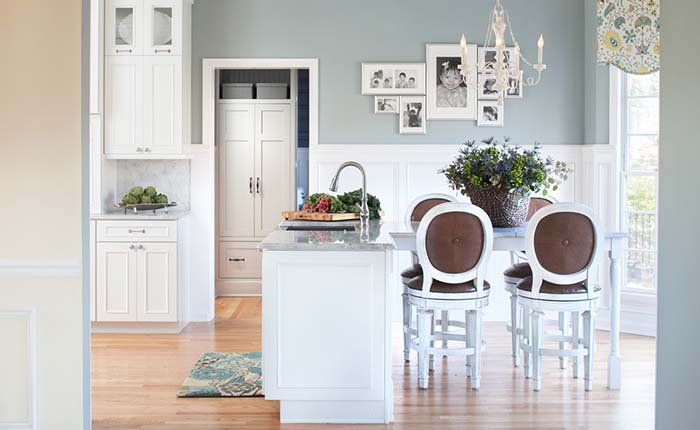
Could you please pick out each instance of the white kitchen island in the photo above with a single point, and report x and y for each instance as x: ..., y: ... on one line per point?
x: 327, y: 300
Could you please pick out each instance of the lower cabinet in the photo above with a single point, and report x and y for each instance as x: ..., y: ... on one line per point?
x: 138, y: 280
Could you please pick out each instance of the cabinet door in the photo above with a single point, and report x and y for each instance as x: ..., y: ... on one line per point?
x: 123, y: 27
x: 162, y: 27
x: 273, y: 184
x: 162, y: 104
x: 123, y: 120
x: 157, y: 282
x: 236, y: 169
x: 116, y: 282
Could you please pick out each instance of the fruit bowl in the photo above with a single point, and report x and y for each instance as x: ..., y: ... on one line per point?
x: 145, y: 207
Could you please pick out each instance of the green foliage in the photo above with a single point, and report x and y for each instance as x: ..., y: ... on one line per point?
x: 352, y: 199
x: 344, y: 203
x: 150, y: 191
x: 161, y: 198
x: 333, y: 203
x: 146, y: 199
x: 136, y: 192
x: 510, y: 168
x: 130, y: 199
x: 140, y: 195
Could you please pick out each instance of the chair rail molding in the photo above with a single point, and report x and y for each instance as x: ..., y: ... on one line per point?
x: 41, y: 268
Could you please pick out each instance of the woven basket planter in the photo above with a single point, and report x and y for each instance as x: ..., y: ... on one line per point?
x: 504, y: 208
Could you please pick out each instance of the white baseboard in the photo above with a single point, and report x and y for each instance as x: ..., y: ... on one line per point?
x: 236, y: 287
x: 137, y: 327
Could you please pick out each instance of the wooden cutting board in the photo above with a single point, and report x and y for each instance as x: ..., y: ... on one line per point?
x: 317, y: 216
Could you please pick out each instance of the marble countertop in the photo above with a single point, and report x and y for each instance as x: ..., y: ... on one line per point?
x: 141, y: 216
x: 377, y: 238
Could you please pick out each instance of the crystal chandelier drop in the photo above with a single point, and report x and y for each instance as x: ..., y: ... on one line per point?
x: 504, y: 67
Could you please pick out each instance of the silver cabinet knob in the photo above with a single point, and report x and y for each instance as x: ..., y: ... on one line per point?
x: 147, y: 149
x: 141, y: 247
x: 139, y: 150
x: 132, y: 246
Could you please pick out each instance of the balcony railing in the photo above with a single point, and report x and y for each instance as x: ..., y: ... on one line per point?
x: 641, y: 249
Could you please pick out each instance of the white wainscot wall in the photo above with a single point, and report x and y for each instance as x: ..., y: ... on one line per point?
x: 398, y: 174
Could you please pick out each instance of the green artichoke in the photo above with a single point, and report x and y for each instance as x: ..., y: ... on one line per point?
x: 129, y: 200
x: 136, y: 192
x: 150, y: 191
x: 161, y: 198
x: 146, y: 199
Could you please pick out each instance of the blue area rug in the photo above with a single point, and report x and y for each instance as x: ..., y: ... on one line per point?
x: 225, y: 374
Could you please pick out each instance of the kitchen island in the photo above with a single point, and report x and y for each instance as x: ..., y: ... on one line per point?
x: 327, y: 323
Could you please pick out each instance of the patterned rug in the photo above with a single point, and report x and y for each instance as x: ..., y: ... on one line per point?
x: 225, y: 374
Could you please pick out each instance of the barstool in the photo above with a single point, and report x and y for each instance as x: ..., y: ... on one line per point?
x: 454, y: 242
x: 563, y: 243
x: 518, y: 271
x: 416, y: 210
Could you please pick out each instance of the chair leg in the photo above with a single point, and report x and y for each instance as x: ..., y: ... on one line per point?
x: 536, y: 345
x: 431, y: 362
x: 468, y: 341
x: 445, y: 325
x: 406, y: 327
x: 527, y: 339
x: 515, y: 338
x: 423, y: 320
x: 589, y: 343
x: 575, y: 341
x: 476, y: 359
x: 563, y: 326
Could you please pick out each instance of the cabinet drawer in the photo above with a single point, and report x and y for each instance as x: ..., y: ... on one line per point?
x: 239, y: 260
x: 133, y: 230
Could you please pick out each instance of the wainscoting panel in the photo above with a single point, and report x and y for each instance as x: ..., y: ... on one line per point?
x: 18, y: 369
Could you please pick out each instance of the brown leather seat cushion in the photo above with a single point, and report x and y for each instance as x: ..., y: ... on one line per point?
x: 443, y: 287
x: 423, y: 207
x: 412, y: 272
x: 518, y: 270
x: 550, y: 288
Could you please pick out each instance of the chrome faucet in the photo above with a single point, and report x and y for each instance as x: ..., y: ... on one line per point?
x: 364, y: 209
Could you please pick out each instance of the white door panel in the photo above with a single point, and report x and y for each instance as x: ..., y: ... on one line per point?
x: 162, y: 101
x: 123, y: 26
x: 116, y: 282
x: 123, y: 90
x: 157, y: 282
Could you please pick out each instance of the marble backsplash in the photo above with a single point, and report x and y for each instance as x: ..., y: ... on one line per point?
x: 170, y: 177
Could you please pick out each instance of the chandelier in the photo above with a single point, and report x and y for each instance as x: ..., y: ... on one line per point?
x: 506, y: 70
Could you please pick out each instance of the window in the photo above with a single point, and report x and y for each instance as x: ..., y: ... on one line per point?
x: 640, y: 158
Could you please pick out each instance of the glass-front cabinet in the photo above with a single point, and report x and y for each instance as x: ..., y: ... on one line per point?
x: 123, y: 27
x: 162, y: 27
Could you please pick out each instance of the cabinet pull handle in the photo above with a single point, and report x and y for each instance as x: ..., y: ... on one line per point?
x: 123, y: 50
x: 162, y: 50
x: 138, y: 231
x: 250, y: 185
x: 257, y: 185
x: 236, y: 259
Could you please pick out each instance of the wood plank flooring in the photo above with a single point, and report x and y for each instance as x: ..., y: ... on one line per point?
x: 135, y: 378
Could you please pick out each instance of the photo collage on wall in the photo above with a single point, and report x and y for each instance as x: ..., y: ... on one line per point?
x: 436, y: 90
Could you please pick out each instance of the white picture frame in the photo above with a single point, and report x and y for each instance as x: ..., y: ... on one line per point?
x: 384, y: 105
x: 386, y: 79
x: 412, y: 117
x: 439, y: 106
x: 485, y: 86
x: 517, y: 92
x: 487, y: 57
x: 491, y: 113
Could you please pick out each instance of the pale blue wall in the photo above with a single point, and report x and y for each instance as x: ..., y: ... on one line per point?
x: 677, y: 381
x: 597, y: 82
x: 344, y: 34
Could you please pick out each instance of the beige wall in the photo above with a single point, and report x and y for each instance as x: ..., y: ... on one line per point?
x: 40, y: 215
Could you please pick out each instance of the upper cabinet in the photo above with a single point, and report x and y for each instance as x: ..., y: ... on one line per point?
x: 124, y: 27
x: 147, y: 78
x: 162, y: 27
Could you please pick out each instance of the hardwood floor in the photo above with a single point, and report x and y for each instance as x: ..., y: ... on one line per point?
x: 135, y: 378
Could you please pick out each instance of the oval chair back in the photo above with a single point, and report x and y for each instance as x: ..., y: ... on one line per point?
x: 563, y: 244
x: 422, y: 204
x: 454, y: 243
x: 537, y: 203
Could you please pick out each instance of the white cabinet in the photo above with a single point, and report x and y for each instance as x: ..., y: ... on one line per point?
x: 123, y: 27
x: 116, y: 282
x: 123, y: 119
x: 147, y: 78
x: 141, y: 271
x: 255, y: 183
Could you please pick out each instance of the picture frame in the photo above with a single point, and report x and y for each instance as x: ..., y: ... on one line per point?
x: 412, y: 115
x: 444, y: 100
x: 384, y: 105
x: 490, y: 114
x: 485, y: 86
x: 393, y: 78
x: 517, y: 92
x: 487, y: 57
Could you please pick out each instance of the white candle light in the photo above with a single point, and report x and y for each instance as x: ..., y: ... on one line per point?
x: 540, y: 46
x: 463, y: 45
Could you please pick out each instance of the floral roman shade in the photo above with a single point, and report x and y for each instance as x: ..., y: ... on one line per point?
x: 628, y: 35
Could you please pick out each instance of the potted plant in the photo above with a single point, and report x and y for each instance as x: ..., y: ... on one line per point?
x: 500, y: 178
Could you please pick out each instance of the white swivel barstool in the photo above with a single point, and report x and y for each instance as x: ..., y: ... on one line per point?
x: 563, y: 245
x: 416, y: 210
x: 454, y: 242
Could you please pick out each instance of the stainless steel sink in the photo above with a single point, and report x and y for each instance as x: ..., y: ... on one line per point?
x: 317, y: 227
